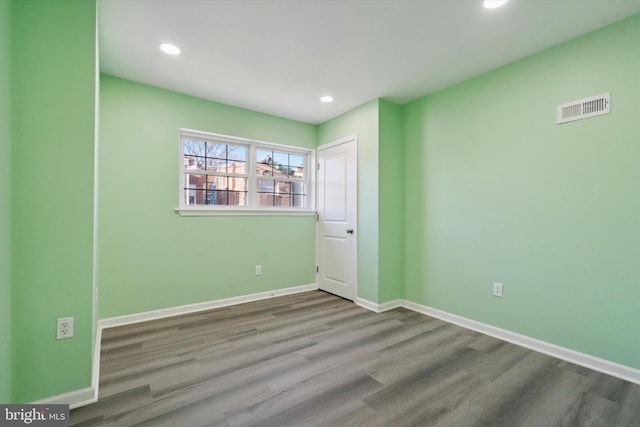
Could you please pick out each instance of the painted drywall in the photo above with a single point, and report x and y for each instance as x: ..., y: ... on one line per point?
x: 496, y: 191
x: 52, y: 112
x: 150, y: 257
x: 391, y: 202
x: 6, y: 394
x: 363, y: 122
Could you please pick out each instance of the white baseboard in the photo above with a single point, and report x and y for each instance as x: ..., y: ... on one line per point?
x: 90, y: 394
x: 201, y: 306
x: 74, y: 398
x: 379, y: 308
x: 597, y: 364
x: 367, y: 304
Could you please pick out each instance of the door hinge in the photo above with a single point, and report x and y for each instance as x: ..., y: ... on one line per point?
x: 317, y: 217
x: 317, y: 269
x: 318, y: 165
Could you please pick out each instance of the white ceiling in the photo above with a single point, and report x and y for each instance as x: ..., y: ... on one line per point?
x: 280, y: 56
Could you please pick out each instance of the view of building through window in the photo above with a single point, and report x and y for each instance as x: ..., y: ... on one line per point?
x: 218, y: 173
x: 274, y: 170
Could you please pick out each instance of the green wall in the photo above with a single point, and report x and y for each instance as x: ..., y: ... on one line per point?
x: 52, y: 112
x: 391, y: 202
x: 496, y: 191
x: 149, y: 257
x: 378, y: 125
x: 459, y: 189
x: 363, y: 122
x: 5, y: 207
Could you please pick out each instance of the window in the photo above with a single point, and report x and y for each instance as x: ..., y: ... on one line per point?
x: 280, y: 178
x: 227, y: 174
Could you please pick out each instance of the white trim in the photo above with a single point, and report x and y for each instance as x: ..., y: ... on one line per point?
x: 365, y: 303
x: 251, y: 145
x: 89, y: 395
x: 201, y: 306
x: 74, y: 398
x: 626, y: 373
x: 379, y: 308
x: 337, y: 142
x: 597, y: 364
x: 390, y: 305
x: 95, y: 333
x: 206, y: 211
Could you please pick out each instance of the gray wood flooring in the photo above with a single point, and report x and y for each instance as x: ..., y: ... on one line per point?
x: 313, y: 359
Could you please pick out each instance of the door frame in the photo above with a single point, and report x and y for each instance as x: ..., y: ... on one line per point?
x: 345, y: 140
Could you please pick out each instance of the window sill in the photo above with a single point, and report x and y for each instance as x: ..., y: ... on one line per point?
x: 204, y: 211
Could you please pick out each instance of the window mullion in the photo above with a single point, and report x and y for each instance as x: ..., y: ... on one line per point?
x: 252, y: 184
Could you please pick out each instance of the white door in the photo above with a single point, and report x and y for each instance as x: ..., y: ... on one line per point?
x: 337, y: 225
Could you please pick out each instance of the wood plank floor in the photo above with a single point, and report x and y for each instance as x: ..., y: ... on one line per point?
x: 313, y: 359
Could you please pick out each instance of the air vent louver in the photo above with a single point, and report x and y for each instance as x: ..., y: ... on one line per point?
x: 583, y: 108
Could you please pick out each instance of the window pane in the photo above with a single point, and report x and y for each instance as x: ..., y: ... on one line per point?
x: 237, y: 159
x: 237, y: 152
x: 266, y: 186
x: 238, y: 198
x: 216, y: 165
x: 227, y: 197
x: 281, y: 193
x: 281, y: 158
x: 284, y: 187
x: 264, y: 162
x: 281, y: 171
x: 298, y: 188
x: 194, y: 148
x: 216, y: 194
x: 298, y: 197
x: 237, y: 166
x: 265, y: 199
x: 264, y: 156
x: 298, y: 201
x: 264, y: 170
x: 194, y: 163
x: 217, y: 151
x: 216, y: 157
x: 280, y: 164
x: 195, y: 181
x: 238, y: 184
x: 216, y: 182
x: 296, y: 162
x: 222, y: 190
x: 194, y: 189
x: 283, y: 200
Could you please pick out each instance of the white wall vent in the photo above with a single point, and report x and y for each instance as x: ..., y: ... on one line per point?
x: 584, y: 108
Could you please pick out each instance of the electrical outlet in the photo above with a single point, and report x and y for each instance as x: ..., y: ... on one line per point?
x: 497, y: 289
x: 65, y: 328
x: 258, y: 270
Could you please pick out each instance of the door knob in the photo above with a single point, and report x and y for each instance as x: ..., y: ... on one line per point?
x: 349, y: 230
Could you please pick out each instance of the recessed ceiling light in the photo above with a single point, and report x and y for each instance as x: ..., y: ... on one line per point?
x: 170, y: 49
x: 326, y: 99
x: 493, y: 4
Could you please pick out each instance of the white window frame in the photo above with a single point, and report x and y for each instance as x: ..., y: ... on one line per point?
x: 252, y: 178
